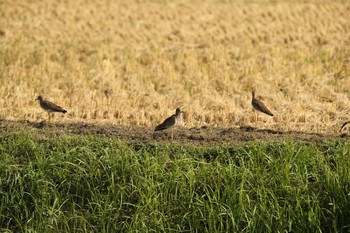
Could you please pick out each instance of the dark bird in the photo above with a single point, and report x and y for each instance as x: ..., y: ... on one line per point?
x: 260, y: 106
x: 170, y: 122
x: 49, y: 107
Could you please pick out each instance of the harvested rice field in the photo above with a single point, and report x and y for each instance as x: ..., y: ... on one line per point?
x: 132, y: 63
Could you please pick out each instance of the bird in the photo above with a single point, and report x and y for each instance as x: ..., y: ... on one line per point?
x: 170, y: 122
x: 49, y: 107
x: 345, y: 123
x: 260, y: 106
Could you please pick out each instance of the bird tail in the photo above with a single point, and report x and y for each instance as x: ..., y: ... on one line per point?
x: 159, y: 127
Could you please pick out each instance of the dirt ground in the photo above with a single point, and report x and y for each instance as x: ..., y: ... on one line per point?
x: 199, y: 136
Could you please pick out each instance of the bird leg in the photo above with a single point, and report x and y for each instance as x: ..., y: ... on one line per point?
x: 255, y: 116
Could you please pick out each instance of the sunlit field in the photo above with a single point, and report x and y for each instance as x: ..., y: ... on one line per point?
x: 120, y: 67
x: 134, y: 62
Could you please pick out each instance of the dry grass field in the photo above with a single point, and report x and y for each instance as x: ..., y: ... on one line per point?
x: 120, y: 67
x: 134, y: 62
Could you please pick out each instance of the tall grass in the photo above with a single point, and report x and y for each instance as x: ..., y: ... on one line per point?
x: 96, y: 184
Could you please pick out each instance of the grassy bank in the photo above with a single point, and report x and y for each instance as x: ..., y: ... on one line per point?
x: 96, y: 184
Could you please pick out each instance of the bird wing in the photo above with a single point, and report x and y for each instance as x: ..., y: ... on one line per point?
x: 53, y: 107
x: 167, y: 123
x: 260, y: 106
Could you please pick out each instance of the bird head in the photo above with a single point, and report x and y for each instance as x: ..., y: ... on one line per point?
x: 178, y: 111
x: 40, y: 98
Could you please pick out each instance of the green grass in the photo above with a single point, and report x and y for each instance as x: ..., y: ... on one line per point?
x: 97, y: 184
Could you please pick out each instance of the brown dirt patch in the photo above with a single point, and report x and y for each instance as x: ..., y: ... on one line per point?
x: 201, y: 136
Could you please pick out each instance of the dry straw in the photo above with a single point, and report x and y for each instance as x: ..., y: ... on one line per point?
x: 133, y: 63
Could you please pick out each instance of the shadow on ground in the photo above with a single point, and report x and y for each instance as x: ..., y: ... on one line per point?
x: 198, y: 135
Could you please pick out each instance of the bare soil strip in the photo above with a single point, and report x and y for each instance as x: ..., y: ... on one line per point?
x: 200, y: 136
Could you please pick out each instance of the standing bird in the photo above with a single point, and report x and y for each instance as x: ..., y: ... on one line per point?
x: 49, y: 107
x: 259, y: 106
x: 170, y: 122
